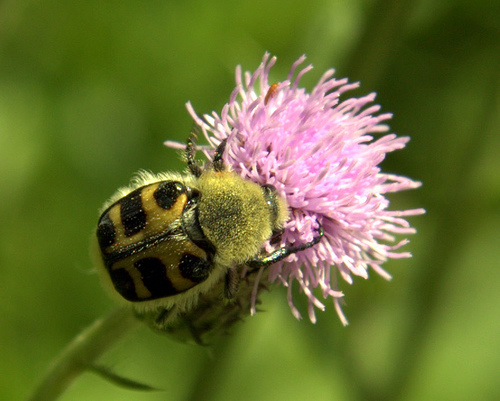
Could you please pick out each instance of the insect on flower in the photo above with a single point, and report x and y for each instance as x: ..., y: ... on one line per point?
x: 291, y: 193
x: 322, y: 155
x: 271, y: 92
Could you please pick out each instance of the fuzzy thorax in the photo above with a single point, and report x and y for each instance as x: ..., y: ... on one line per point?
x: 236, y: 217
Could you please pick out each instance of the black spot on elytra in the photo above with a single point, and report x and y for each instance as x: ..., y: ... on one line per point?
x: 154, y: 277
x: 132, y: 214
x: 124, y: 284
x: 167, y: 193
x: 194, y: 268
x: 106, y: 233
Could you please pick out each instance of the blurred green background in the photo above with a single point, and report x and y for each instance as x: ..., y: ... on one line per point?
x: 89, y: 91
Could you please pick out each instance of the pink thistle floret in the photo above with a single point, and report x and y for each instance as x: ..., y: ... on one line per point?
x: 322, y: 156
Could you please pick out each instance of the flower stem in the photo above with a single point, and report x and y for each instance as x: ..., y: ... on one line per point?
x: 81, y: 353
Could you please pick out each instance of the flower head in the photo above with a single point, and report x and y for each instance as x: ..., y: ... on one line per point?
x: 322, y: 154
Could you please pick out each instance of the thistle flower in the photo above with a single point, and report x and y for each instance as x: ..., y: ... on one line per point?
x: 322, y: 156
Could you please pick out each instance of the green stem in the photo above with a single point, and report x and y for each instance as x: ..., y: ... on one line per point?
x: 81, y: 353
